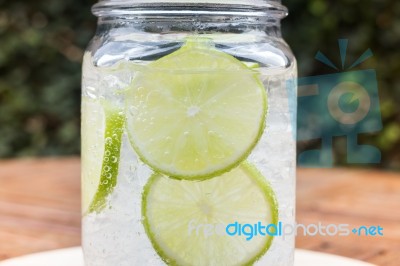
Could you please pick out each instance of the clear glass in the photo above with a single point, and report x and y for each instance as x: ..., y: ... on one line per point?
x: 172, y: 204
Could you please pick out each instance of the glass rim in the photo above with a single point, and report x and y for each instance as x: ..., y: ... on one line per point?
x: 250, y: 8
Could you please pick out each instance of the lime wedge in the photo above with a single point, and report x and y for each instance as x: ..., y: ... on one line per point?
x: 195, y: 113
x: 102, y: 127
x: 178, y: 214
x: 93, y: 125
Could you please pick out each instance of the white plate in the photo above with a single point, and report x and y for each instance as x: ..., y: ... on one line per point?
x: 73, y: 257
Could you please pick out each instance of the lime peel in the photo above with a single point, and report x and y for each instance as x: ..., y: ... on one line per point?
x: 114, y: 126
x: 198, y: 123
x: 244, y: 182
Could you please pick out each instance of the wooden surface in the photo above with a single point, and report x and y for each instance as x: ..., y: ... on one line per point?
x: 40, y: 208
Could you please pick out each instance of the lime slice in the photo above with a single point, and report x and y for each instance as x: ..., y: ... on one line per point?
x: 93, y: 125
x: 195, y: 113
x: 178, y: 214
x: 102, y: 127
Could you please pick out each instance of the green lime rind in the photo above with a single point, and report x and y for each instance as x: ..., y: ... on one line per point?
x: 256, y: 177
x: 205, y: 45
x: 271, y: 198
x: 202, y: 43
x: 215, y: 173
x: 114, y: 127
x: 235, y: 164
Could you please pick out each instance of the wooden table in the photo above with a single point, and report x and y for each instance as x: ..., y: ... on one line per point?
x: 40, y: 208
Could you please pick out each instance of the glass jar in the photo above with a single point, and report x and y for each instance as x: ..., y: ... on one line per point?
x: 188, y: 135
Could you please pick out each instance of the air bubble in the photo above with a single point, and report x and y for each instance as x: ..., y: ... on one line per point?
x: 133, y: 168
x: 132, y: 111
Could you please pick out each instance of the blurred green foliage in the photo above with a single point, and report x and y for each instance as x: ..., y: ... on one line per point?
x: 41, y: 47
x: 42, y: 43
